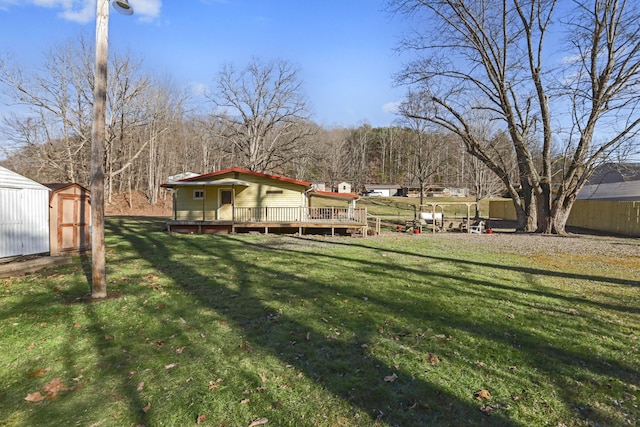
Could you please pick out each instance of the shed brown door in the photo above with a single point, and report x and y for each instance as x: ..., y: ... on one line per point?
x: 73, y: 223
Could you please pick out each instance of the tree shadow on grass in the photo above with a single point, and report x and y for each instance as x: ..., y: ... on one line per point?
x: 409, y: 400
x: 557, y: 360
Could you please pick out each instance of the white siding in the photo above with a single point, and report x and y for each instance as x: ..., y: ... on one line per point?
x: 24, y: 215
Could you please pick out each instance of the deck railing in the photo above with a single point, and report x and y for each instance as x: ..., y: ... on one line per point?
x: 326, y: 215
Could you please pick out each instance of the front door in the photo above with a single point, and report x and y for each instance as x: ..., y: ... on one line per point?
x: 225, y: 204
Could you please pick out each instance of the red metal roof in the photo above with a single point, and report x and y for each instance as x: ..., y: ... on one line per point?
x: 334, y: 194
x: 247, y: 172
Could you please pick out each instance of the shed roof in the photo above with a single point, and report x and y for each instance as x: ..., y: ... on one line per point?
x: 334, y: 195
x: 10, y: 179
x: 56, y: 187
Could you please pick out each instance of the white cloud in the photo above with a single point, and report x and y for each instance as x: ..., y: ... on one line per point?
x: 391, y: 107
x: 84, y: 11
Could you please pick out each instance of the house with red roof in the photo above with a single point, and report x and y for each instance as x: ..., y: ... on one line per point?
x: 239, y: 200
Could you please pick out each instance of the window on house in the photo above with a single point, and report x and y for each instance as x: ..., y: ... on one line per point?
x: 225, y: 197
x: 198, y: 194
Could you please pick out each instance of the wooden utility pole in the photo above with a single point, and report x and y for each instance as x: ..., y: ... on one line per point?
x: 98, y: 130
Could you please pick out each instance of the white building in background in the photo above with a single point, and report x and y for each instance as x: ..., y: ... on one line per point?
x: 344, y: 187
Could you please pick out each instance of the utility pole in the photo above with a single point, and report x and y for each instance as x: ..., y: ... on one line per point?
x: 98, y: 132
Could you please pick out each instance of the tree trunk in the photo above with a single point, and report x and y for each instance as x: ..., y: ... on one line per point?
x: 544, y: 210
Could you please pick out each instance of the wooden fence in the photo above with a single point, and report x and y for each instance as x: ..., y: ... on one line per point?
x: 620, y: 217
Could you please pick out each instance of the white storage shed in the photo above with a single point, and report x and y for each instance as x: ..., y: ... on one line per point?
x: 24, y: 215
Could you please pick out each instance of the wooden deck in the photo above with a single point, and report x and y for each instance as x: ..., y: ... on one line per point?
x: 299, y: 220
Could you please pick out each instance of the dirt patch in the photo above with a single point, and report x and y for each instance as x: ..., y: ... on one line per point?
x: 137, y: 204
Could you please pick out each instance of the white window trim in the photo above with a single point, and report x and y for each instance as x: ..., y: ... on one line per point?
x: 196, y: 197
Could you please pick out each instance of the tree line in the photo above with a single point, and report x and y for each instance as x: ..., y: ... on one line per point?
x: 527, y: 97
x: 257, y: 118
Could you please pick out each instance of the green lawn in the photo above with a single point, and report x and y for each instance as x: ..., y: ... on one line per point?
x: 236, y: 330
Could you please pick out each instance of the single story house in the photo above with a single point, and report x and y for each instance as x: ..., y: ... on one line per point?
x: 235, y: 199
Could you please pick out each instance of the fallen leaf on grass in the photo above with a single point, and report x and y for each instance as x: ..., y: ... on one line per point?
x: 179, y: 350
x: 201, y: 418
x: 482, y: 394
x: 245, y: 401
x: 140, y: 386
x: 146, y: 408
x: 170, y: 365
x: 258, y: 422
x: 215, y: 384
x: 391, y: 378
x: 39, y: 372
x: 34, y: 397
x: 53, y: 387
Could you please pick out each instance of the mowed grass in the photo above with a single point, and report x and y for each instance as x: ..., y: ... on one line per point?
x: 399, y: 330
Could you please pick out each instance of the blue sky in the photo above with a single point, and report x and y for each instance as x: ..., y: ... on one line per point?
x: 344, y: 48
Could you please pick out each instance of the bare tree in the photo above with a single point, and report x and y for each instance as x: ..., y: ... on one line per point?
x: 424, y: 145
x: 56, y: 107
x: 265, y: 112
x: 492, y: 56
x: 331, y: 159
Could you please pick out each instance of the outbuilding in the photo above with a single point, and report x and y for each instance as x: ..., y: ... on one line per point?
x: 70, y: 216
x: 24, y: 215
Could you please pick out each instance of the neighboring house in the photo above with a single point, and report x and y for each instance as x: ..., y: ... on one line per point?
x: 24, y: 215
x: 613, y: 181
x: 319, y: 186
x: 344, y: 187
x: 180, y: 176
x: 233, y: 200
x: 458, y: 192
x: 382, y: 190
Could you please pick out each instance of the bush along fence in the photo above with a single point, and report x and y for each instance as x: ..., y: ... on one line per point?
x: 619, y: 217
